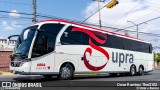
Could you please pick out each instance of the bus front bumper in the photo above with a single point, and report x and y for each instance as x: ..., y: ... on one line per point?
x: 20, y: 72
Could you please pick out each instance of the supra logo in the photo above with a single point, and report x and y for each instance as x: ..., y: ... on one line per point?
x: 94, y: 35
x: 6, y: 84
x: 122, y: 57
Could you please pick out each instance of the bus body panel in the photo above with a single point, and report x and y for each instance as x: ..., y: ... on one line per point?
x: 43, y: 63
x: 98, y: 59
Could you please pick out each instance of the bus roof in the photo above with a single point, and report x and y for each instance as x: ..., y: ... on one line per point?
x: 87, y: 26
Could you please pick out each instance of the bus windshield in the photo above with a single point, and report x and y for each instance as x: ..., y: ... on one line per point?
x: 24, y: 41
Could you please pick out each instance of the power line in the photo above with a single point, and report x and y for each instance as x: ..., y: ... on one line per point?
x: 15, y: 3
x: 22, y: 13
x: 15, y: 18
x: 152, y: 12
x: 93, y: 14
x: 48, y: 16
x: 131, y: 9
x: 118, y: 29
x: 140, y: 2
x: 139, y: 23
x: 15, y: 12
x: 41, y: 15
x: 154, y: 34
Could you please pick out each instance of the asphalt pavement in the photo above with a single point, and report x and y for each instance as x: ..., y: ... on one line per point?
x: 151, y: 76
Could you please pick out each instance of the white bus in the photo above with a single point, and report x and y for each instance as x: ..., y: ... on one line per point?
x: 63, y: 48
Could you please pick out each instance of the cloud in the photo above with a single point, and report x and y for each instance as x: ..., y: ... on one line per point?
x: 14, y: 14
x: 136, y: 11
x: 12, y: 26
x: 133, y: 10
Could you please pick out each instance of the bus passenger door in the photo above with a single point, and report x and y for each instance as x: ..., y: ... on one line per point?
x: 42, y: 56
x: 43, y: 64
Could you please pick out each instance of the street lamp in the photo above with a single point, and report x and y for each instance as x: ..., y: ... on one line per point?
x: 136, y: 26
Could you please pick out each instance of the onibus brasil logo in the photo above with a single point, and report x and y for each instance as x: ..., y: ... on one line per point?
x: 17, y: 85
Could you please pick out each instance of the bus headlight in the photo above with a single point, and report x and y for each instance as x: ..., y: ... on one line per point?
x: 25, y: 61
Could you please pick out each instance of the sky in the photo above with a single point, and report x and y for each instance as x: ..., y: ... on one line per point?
x: 136, y: 11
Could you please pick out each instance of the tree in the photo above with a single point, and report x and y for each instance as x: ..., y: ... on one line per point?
x: 157, y: 57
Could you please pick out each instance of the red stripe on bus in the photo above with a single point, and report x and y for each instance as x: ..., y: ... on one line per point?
x: 65, y: 21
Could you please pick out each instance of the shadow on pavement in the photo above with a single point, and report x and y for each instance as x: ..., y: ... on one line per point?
x: 77, y: 77
x: 35, y: 79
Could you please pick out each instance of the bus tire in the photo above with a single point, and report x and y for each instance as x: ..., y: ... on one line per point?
x: 140, y: 70
x: 133, y: 70
x: 47, y: 76
x: 66, y: 72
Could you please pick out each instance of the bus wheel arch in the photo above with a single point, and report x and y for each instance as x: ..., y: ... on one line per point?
x: 141, y: 70
x: 66, y: 71
x: 133, y: 70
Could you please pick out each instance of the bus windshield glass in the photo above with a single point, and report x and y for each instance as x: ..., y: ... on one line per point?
x: 24, y: 41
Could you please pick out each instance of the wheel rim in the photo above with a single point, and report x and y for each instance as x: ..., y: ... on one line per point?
x: 65, y: 73
x: 132, y: 70
x: 140, y: 71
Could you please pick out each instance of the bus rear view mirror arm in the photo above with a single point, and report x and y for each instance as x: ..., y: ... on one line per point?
x: 11, y: 37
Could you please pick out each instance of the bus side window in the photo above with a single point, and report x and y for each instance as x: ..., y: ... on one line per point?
x: 65, y: 38
x: 150, y: 48
x: 49, y: 34
x: 74, y: 38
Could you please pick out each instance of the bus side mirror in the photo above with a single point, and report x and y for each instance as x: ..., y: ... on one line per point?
x: 12, y: 36
x: 41, y: 30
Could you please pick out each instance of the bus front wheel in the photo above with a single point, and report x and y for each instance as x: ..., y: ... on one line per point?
x: 66, y: 72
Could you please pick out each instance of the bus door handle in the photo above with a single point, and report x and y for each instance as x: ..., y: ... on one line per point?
x: 82, y: 58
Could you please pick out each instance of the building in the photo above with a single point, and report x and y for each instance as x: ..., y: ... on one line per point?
x: 4, y: 46
x: 6, y: 49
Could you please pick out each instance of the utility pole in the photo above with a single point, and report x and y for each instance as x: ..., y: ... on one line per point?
x: 100, y: 23
x: 34, y: 11
x: 109, y: 5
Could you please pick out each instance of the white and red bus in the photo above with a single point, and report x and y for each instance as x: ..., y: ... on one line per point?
x: 63, y: 48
